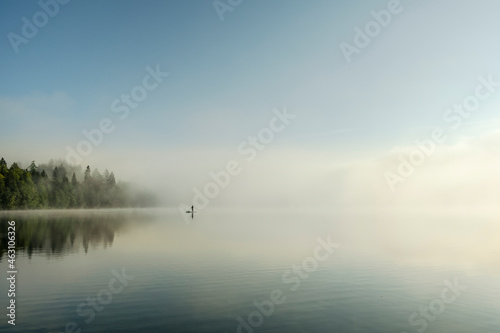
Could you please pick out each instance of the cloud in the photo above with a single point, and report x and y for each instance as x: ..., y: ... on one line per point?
x: 35, y: 104
x: 36, y: 124
x: 36, y: 114
x: 459, y: 175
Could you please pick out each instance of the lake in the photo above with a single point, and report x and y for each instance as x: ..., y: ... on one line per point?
x: 155, y: 270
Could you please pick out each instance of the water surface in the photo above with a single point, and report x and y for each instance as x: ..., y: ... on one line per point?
x: 208, y: 275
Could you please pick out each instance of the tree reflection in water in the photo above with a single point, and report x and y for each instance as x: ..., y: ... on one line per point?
x: 56, y: 233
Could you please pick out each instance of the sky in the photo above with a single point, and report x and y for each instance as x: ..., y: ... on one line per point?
x: 232, y: 67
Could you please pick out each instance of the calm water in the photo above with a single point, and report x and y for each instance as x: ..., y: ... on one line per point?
x: 382, y: 272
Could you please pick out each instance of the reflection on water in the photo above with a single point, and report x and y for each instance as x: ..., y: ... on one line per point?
x: 59, y: 233
x: 209, y: 275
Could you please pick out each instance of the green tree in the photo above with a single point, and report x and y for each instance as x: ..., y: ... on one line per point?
x: 28, y: 191
x: 12, y: 181
x: 3, y: 166
x: 3, y: 189
x: 33, y: 188
x: 87, y: 188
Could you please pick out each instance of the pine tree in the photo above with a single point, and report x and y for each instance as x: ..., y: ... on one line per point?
x: 87, y: 177
x: 3, y: 189
x: 88, y: 198
x: 33, y: 188
x: 28, y: 191
x: 33, y: 170
x: 3, y: 166
x: 76, y: 195
x: 43, y: 186
x: 73, y: 180
x: 111, y: 180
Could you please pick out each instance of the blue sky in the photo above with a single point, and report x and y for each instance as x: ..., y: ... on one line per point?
x: 265, y: 54
x: 227, y: 76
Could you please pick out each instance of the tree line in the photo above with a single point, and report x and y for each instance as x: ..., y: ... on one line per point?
x: 35, y: 188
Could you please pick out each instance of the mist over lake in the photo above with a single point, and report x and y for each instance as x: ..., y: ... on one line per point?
x: 249, y: 166
x: 342, y: 272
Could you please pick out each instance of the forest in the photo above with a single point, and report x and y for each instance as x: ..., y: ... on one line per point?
x: 59, y: 185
